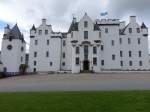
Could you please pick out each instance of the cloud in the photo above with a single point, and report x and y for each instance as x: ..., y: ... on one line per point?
x: 120, y: 8
x: 59, y: 13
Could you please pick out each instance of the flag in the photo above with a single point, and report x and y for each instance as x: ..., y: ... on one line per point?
x: 104, y: 13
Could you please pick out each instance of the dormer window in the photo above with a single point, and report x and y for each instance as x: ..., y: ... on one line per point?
x: 138, y: 30
x: 130, y: 30
x: 40, y: 32
x: 85, y: 24
x: 46, y: 32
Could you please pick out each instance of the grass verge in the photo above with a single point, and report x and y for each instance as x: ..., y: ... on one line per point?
x: 118, y: 101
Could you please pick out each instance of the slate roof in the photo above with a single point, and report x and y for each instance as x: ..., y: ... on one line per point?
x: 123, y: 30
x: 33, y: 28
x: 143, y: 26
x: 73, y: 27
x: 14, y: 33
x: 96, y: 27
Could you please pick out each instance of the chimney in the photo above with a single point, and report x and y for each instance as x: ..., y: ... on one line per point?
x: 132, y: 19
x: 44, y: 21
x: 74, y: 20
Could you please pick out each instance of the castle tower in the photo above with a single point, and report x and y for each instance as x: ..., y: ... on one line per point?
x: 13, y: 50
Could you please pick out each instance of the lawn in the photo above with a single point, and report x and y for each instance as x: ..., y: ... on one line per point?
x: 133, y: 101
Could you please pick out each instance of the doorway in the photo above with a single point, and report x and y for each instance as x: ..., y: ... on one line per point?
x: 86, y: 65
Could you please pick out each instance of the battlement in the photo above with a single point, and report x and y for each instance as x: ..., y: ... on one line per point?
x: 108, y: 21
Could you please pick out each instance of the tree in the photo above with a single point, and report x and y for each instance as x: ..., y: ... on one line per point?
x: 23, y: 68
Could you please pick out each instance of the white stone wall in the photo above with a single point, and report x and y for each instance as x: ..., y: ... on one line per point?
x: 43, y: 63
x: 134, y: 47
x: 79, y: 36
x: 11, y: 59
x: 110, y: 42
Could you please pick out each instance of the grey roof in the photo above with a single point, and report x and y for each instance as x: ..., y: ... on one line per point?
x: 96, y: 27
x: 33, y: 28
x: 123, y: 30
x: 143, y: 26
x: 73, y: 27
x: 64, y: 35
x: 14, y: 33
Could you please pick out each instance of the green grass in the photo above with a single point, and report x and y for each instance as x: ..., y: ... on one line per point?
x: 133, y: 101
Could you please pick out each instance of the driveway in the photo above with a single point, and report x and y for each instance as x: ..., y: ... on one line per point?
x: 76, y: 82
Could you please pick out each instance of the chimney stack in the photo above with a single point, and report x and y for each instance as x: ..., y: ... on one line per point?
x: 44, y: 21
x: 132, y: 18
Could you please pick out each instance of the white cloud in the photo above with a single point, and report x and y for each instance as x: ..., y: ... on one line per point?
x: 59, y: 13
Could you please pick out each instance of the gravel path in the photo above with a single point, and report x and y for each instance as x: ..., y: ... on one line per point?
x: 76, y: 82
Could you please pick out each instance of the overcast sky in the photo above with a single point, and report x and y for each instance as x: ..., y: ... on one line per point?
x: 59, y: 12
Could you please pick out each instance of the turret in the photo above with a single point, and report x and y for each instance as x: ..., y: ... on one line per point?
x: 144, y: 29
x: 32, y: 32
x: 6, y: 29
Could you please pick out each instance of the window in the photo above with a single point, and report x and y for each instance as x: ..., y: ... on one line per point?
x: 47, y: 54
x: 34, y: 63
x: 64, y: 43
x: 47, y: 42
x: 120, y: 40
x: 40, y: 32
x: 64, y: 55
x: 94, y: 50
x: 138, y: 30
x: 99, y: 34
x: 112, y: 42
x: 51, y: 63
x: 129, y: 40
x: 121, y: 54
x: 106, y: 30
x: 140, y: 63
x: 85, y: 24
x: 22, y: 49
x: 85, y: 34
x: 113, y: 57
x: 140, y: 54
x: 77, y: 50
x: 102, y: 62
x: 36, y: 42
x: 94, y: 61
x: 121, y: 63
x: 102, y: 47
x: 35, y: 54
x: 63, y: 64
x: 86, y: 52
x: 130, y: 30
x: 139, y: 41
x: 77, y: 61
x: 130, y: 63
x: 130, y: 54
x: 71, y: 34
x: 46, y: 32
x: 21, y: 59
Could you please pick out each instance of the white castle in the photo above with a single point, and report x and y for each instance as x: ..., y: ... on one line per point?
x: 91, y: 46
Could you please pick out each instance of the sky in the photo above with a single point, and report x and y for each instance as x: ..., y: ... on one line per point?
x: 59, y: 13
